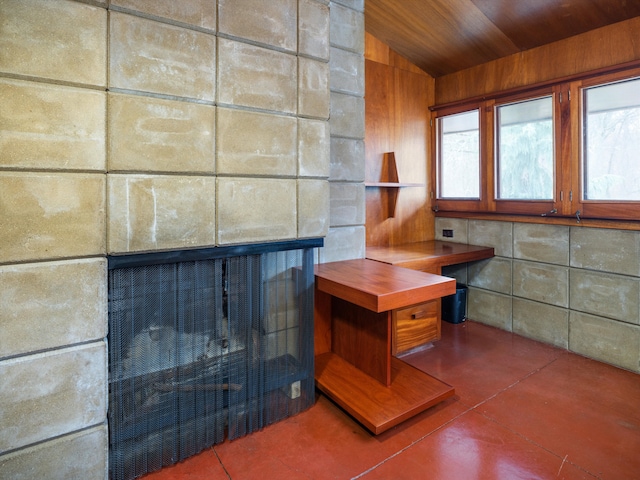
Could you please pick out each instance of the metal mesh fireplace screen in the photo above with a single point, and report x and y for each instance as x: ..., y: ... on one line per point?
x: 204, y: 350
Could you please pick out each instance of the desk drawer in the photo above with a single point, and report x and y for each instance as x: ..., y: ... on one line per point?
x: 414, y: 326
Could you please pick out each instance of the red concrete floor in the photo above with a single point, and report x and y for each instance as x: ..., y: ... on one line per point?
x: 522, y: 410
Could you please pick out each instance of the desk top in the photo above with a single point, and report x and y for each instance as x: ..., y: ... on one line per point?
x: 430, y: 254
x: 378, y: 286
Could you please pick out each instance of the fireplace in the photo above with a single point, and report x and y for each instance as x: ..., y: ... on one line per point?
x: 205, y: 345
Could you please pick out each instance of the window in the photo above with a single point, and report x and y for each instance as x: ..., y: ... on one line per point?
x: 459, y: 156
x: 565, y: 149
x: 611, y: 135
x: 524, y: 154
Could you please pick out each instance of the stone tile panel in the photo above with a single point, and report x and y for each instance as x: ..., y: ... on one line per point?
x: 343, y: 243
x: 272, y: 23
x: 50, y: 216
x: 313, y: 208
x: 542, y: 322
x: 252, y: 143
x: 347, y: 160
x: 149, y: 212
x: 541, y: 282
x: 52, y: 304
x: 493, y: 274
x: 347, y: 28
x: 155, y: 135
x: 51, y: 127
x: 347, y: 72
x: 347, y: 204
x: 82, y: 455
x: 61, y: 40
x: 313, y: 88
x: 606, y: 250
x: 541, y: 243
x: 498, y: 235
x: 460, y: 227
x: 490, y: 308
x: 199, y: 13
x: 347, y: 116
x: 606, y: 340
x: 256, y: 77
x: 605, y: 295
x: 313, y: 148
x: 51, y: 394
x: 313, y: 29
x: 256, y: 210
x: 150, y: 56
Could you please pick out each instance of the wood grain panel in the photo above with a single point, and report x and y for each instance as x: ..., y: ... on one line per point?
x: 376, y: 407
x: 611, y: 45
x: 397, y: 120
x: 439, y: 36
x: 362, y: 338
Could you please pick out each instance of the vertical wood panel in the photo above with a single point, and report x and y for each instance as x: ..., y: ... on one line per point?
x: 397, y: 120
x: 599, y: 48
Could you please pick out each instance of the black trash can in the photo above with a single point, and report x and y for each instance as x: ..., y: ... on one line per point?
x: 454, y: 307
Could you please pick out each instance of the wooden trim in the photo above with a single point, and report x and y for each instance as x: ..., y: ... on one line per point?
x: 537, y: 86
x: 570, y: 221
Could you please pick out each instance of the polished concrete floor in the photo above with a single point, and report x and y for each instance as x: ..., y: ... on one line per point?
x: 522, y: 410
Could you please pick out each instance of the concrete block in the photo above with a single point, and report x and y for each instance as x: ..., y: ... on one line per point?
x: 52, y: 304
x: 606, y: 250
x: 542, y: 322
x: 256, y: 210
x: 46, y: 126
x: 541, y: 243
x: 156, y: 135
x: 256, y: 77
x: 313, y: 208
x: 150, y: 56
x: 251, y: 143
x: 313, y: 88
x: 81, y: 455
x: 541, y: 282
x: 347, y: 28
x: 347, y: 204
x: 199, y: 13
x: 51, y: 394
x: 347, y: 160
x: 347, y: 72
x: 61, y: 40
x: 606, y: 340
x: 605, y: 295
x: 51, y: 215
x: 272, y: 23
x: 313, y: 148
x: 313, y: 29
x: 498, y: 235
x: 493, y: 274
x: 347, y: 116
x: 160, y: 212
x: 490, y: 308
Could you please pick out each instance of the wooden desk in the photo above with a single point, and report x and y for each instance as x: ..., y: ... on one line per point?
x: 411, y: 330
x: 354, y: 303
x: 429, y: 256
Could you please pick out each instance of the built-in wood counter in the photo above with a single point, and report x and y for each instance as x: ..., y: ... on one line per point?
x: 429, y: 256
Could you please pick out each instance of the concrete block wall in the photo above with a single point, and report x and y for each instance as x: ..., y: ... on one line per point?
x: 574, y: 287
x: 143, y: 125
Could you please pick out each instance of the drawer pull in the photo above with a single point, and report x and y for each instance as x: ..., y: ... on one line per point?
x: 420, y: 314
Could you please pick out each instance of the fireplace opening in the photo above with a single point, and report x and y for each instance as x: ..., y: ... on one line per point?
x: 205, y: 345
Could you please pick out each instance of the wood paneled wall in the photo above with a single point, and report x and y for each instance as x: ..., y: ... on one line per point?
x: 603, y: 47
x: 397, y: 97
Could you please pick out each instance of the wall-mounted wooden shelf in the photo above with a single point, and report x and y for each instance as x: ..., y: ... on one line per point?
x: 391, y: 182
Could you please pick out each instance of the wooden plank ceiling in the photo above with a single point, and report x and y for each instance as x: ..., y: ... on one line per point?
x: 445, y: 36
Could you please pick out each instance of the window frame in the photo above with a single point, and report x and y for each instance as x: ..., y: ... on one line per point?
x: 604, y: 209
x: 568, y: 115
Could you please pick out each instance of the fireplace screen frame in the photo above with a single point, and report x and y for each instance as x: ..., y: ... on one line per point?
x: 206, y: 345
